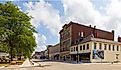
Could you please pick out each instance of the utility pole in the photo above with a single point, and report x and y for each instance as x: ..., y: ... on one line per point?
x: 77, y: 54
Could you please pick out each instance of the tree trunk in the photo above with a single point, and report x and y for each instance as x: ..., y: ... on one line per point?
x: 11, y: 49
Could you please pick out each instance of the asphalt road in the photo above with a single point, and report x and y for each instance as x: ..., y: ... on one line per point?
x: 85, y: 66
x: 69, y: 66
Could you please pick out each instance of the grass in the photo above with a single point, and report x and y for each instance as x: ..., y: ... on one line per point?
x: 4, y: 64
x: 18, y: 62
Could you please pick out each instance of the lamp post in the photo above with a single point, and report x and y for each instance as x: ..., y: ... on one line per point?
x: 77, y: 54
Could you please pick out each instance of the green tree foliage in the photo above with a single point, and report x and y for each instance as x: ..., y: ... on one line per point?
x: 16, y: 31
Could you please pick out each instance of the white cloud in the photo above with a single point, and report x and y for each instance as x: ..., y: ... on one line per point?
x: 113, y: 10
x: 41, y: 41
x: 44, y: 14
x: 83, y: 11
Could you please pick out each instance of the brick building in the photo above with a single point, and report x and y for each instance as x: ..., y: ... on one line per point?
x: 39, y: 55
x: 73, y: 33
x: 54, y: 52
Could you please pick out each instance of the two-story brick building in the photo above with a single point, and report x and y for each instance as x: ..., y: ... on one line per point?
x: 54, y: 52
x: 73, y: 33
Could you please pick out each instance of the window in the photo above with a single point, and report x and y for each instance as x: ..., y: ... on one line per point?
x: 77, y: 48
x: 100, y: 46
x: 74, y: 48
x: 95, y: 45
x: 63, y: 49
x: 71, y: 49
x: 120, y: 48
x: 80, y: 47
x: 105, y: 46
x: 87, y: 46
x: 117, y: 48
x: 83, y: 47
x: 109, y: 47
x: 113, y: 48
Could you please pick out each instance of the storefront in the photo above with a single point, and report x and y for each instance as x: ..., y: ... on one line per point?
x: 81, y: 57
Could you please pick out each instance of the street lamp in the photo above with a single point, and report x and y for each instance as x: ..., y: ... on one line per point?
x: 77, y: 53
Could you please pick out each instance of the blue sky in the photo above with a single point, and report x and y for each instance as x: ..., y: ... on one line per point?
x: 51, y: 15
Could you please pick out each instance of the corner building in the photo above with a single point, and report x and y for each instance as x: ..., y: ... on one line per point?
x: 96, y: 50
x: 73, y: 33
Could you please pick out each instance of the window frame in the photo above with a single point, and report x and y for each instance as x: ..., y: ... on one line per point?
x: 100, y: 46
x: 84, y: 48
x: 95, y: 45
x: 105, y: 46
x: 113, y: 48
x: 87, y: 46
x: 109, y: 47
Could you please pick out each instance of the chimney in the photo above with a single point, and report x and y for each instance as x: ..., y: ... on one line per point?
x: 89, y: 25
x: 94, y: 32
x: 94, y: 27
x: 119, y: 39
x: 113, y: 31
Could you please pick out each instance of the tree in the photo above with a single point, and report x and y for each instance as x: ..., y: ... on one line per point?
x: 16, y: 31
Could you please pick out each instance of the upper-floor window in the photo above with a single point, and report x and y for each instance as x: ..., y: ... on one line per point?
x: 113, y: 47
x: 74, y: 48
x: 77, y: 48
x: 81, y: 34
x: 95, y: 45
x: 87, y: 46
x: 76, y: 42
x: 120, y: 48
x: 83, y: 47
x: 109, y: 47
x: 100, y: 46
x: 105, y: 46
x: 71, y: 49
x: 117, y: 48
x: 80, y: 47
x: 63, y: 49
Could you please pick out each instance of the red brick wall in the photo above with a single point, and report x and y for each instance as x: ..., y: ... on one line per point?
x: 119, y: 39
x: 87, y: 30
x: 105, y: 35
x: 76, y: 28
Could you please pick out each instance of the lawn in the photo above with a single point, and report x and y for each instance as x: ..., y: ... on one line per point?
x: 12, y: 63
x: 3, y: 64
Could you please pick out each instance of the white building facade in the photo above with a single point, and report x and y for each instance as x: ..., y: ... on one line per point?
x: 96, y: 50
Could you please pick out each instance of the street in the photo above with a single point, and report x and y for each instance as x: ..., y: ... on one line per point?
x: 49, y: 65
x: 85, y: 66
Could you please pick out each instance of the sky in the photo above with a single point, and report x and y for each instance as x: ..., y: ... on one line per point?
x: 50, y: 15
